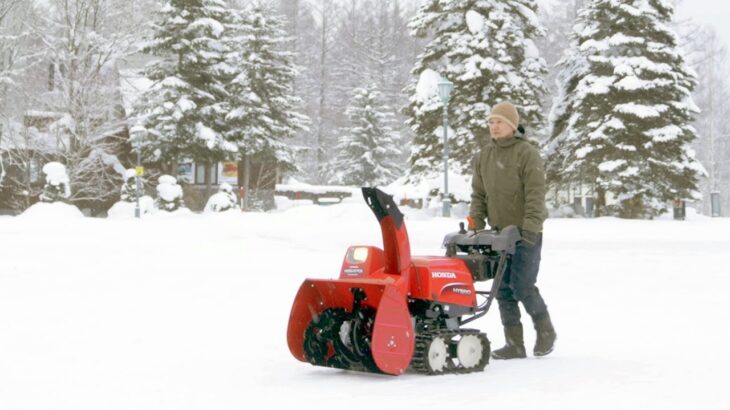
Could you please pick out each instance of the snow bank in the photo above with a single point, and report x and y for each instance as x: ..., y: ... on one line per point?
x: 51, y: 210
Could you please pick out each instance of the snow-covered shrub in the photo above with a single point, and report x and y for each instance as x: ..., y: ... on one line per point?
x: 57, y: 183
x: 126, y: 210
x: 129, y: 189
x: 169, y: 194
x: 563, y: 211
x: 223, y: 200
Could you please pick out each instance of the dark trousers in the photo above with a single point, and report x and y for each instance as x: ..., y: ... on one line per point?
x: 518, y: 285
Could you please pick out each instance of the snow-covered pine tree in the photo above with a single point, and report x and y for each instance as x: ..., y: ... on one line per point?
x: 263, y: 112
x: 169, y: 194
x: 57, y: 186
x: 129, y: 188
x: 367, y: 151
x: 185, y: 109
x: 621, y: 122
x: 486, y: 48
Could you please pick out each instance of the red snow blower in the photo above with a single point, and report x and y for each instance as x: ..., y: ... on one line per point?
x: 389, y: 310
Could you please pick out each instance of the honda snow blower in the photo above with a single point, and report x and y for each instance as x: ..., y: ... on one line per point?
x: 389, y: 310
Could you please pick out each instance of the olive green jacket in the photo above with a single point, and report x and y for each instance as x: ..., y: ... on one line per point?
x: 508, y: 186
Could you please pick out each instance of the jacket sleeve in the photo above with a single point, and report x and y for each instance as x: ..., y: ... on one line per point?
x: 534, y: 191
x: 478, y: 208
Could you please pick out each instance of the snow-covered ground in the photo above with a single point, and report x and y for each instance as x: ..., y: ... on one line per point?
x: 190, y: 312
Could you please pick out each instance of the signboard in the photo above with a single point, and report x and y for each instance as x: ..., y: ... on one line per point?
x: 229, y: 172
x: 185, y: 171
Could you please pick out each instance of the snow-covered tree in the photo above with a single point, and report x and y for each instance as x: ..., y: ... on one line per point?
x: 169, y: 194
x: 486, y: 48
x: 129, y: 189
x: 184, y: 110
x: 368, y: 147
x: 710, y: 58
x: 224, y: 200
x: 621, y: 122
x: 81, y: 95
x: 263, y: 113
x: 57, y: 186
x: 14, y: 56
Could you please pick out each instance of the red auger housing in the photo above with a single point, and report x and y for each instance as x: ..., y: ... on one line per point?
x: 389, y: 311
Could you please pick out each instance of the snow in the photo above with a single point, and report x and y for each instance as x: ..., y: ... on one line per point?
x: 191, y: 313
x: 427, y: 86
x: 293, y: 185
x: 609, y: 166
x: 126, y: 210
x: 459, y: 186
x: 475, y: 21
x: 531, y: 50
x: 55, y: 173
x: 206, y: 134
x: 168, y: 189
x: 45, y: 211
x: 641, y: 110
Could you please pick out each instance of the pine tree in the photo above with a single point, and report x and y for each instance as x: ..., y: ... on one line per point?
x: 57, y: 186
x: 486, y: 48
x: 185, y: 109
x: 169, y: 194
x: 129, y: 188
x: 368, y: 148
x: 622, y: 119
x: 263, y: 112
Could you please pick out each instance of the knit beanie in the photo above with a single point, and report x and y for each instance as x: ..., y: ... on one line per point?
x: 506, y: 112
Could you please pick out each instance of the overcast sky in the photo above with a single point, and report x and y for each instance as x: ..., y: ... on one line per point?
x: 712, y: 12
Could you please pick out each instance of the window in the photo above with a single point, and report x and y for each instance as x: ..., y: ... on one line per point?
x: 200, y: 174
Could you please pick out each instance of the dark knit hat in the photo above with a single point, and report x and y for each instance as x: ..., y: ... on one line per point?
x: 506, y: 112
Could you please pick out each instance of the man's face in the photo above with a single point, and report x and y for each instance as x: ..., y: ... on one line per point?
x: 500, y: 129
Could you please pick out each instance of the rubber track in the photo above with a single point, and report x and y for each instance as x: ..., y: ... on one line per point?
x: 419, y: 363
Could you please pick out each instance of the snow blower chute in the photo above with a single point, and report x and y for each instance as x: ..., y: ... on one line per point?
x: 389, y: 311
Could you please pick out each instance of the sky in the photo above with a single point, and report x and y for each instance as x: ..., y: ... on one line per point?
x: 713, y: 12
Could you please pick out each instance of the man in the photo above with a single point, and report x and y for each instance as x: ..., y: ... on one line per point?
x: 508, y: 188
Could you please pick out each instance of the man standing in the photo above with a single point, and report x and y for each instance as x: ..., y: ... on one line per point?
x: 508, y: 188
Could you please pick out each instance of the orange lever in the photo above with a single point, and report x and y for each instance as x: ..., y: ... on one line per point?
x: 471, y: 223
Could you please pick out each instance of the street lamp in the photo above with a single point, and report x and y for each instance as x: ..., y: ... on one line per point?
x: 445, y: 86
x: 137, y: 135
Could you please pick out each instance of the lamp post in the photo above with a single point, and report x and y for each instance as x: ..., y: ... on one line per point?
x: 137, y: 135
x: 445, y: 86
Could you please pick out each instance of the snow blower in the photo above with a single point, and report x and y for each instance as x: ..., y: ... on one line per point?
x: 389, y: 311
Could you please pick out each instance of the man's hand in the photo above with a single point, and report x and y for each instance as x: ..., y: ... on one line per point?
x: 529, y: 238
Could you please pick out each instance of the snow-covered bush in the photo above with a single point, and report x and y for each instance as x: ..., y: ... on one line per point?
x: 57, y: 183
x: 563, y: 211
x: 169, y: 194
x: 129, y: 189
x: 224, y: 200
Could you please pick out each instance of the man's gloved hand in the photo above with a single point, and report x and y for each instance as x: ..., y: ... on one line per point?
x: 529, y: 238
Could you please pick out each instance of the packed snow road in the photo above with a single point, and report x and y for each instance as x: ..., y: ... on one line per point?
x: 191, y: 312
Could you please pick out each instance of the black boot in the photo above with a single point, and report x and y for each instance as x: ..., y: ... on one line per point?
x: 546, y: 336
x: 515, y: 344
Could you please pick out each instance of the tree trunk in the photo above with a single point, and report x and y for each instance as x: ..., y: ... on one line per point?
x: 246, y: 181
x: 600, y: 205
x: 207, y: 181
